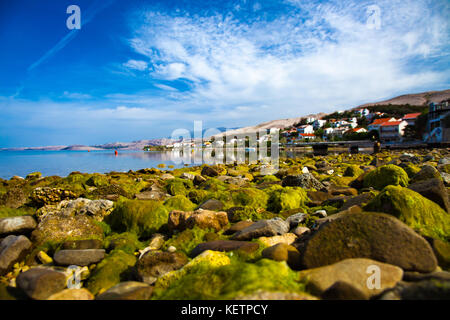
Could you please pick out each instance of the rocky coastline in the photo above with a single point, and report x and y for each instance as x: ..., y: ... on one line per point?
x: 341, y: 227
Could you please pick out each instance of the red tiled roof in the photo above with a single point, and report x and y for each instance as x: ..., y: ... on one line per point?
x: 391, y: 123
x: 411, y: 115
x: 307, y: 134
x: 380, y: 121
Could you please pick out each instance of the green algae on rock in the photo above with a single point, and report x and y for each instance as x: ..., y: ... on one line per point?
x: 287, y: 198
x: 143, y: 217
x: 413, y: 209
x: 116, y: 267
x: 126, y: 241
x: 179, y: 202
x: 237, y: 278
x: 386, y: 175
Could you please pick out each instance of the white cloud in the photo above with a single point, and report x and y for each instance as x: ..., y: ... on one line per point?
x: 136, y: 65
x: 331, y: 60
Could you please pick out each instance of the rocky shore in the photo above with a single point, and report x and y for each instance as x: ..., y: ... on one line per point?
x: 348, y: 226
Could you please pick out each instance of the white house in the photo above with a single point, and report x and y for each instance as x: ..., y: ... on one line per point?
x: 307, y: 128
x: 319, y: 123
x: 375, y: 125
x: 392, y: 130
x: 328, y: 131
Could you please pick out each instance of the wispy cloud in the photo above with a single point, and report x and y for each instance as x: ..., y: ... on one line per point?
x: 321, y: 56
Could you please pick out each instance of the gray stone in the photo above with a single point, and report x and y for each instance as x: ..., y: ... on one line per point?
x: 305, y: 180
x: 211, y: 204
x: 263, y: 228
x: 79, y: 257
x: 295, y: 219
x: 41, y: 283
x: 17, y: 225
x: 13, y: 249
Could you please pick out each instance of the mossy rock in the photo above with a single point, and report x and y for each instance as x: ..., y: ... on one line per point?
x: 213, y: 185
x: 411, y: 169
x: 353, y: 171
x: 58, y: 229
x: 199, y: 196
x: 413, y: 209
x: 249, y: 197
x: 179, y: 203
x: 97, y: 180
x: 188, y: 239
x: 248, y: 213
x: 34, y: 175
x: 126, y: 241
x: 204, y: 282
x: 371, y: 235
x: 268, y: 178
x: 288, y: 198
x: 386, y: 175
x: 178, y: 186
x: 116, y: 267
x: 143, y: 217
x: 6, y: 212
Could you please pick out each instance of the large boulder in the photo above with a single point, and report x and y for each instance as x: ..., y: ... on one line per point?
x: 225, y: 246
x: 355, y: 272
x: 374, y: 236
x: 41, y: 283
x: 434, y: 190
x: 413, y: 209
x: 13, y: 249
x: 155, y: 264
x: 386, y: 175
x: 263, y: 228
x: 17, y: 225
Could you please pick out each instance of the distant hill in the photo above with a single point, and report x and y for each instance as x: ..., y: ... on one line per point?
x: 415, y: 99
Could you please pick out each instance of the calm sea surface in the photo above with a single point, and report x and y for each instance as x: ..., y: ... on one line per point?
x: 62, y: 163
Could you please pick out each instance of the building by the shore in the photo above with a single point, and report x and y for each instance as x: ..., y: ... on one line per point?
x: 438, y: 126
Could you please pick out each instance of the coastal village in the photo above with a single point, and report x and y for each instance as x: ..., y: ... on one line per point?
x: 357, y: 124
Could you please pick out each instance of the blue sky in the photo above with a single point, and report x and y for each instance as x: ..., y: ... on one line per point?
x: 141, y: 69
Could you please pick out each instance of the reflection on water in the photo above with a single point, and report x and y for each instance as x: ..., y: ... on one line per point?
x: 62, y: 163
